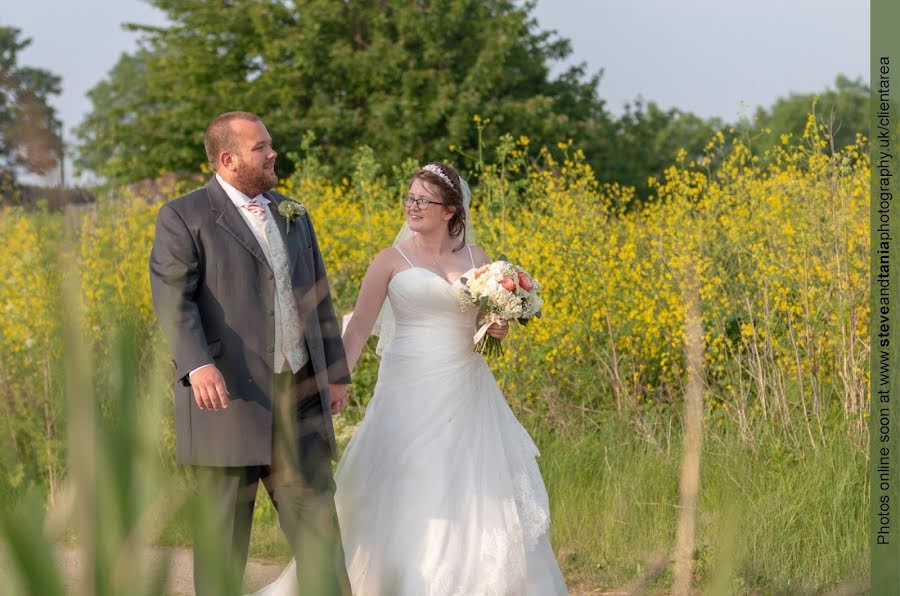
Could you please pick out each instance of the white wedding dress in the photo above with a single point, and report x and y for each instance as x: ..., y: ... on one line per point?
x: 438, y: 492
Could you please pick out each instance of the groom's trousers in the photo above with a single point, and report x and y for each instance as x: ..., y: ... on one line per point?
x: 299, y: 483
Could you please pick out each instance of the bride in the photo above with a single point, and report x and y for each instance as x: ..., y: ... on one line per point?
x: 438, y: 492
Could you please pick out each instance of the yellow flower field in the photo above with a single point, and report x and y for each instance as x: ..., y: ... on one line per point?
x: 780, y: 243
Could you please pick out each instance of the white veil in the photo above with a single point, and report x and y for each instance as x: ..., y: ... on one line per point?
x: 385, y: 326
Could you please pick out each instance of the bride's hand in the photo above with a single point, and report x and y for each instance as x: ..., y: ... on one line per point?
x: 498, y: 330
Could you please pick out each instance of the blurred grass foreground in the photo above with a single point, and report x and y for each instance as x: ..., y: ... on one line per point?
x: 779, y: 245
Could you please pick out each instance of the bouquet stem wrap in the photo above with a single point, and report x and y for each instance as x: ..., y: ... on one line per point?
x: 488, y: 344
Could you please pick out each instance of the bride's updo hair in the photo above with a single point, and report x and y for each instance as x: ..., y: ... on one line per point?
x: 445, y: 180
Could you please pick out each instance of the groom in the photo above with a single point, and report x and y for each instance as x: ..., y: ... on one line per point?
x: 240, y: 291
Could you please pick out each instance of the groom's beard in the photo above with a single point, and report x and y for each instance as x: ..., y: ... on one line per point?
x: 253, y: 181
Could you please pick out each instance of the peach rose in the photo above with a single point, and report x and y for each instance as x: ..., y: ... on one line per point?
x: 508, y: 284
x: 481, y: 271
x: 525, y: 282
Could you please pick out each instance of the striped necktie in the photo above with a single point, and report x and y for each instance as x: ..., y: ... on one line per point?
x: 256, y: 208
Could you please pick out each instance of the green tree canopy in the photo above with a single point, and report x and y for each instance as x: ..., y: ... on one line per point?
x: 404, y: 78
x: 845, y: 108
x: 646, y: 140
x: 29, y: 129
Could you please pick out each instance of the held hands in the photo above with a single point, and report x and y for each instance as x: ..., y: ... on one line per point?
x: 338, y: 395
x: 209, y: 389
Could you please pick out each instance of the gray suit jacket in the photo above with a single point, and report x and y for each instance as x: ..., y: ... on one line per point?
x: 213, y: 291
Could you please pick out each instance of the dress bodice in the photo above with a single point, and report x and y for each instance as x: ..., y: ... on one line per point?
x: 429, y: 319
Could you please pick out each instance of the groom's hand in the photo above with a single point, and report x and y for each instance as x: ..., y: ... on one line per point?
x: 209, y: 389
x: 338, y: 395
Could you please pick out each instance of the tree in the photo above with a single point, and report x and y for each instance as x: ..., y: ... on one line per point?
x: 404, y: 78
x: 645, y: 140
x: 29, y: 130
x: 845, y: 108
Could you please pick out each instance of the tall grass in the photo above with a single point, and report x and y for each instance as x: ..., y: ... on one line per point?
x: 770, y: 520
x: 120, y: 491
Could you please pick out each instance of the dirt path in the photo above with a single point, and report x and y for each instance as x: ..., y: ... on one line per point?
x: 181, y: 573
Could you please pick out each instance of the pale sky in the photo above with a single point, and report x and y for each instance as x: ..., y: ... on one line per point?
x: 710, y: 57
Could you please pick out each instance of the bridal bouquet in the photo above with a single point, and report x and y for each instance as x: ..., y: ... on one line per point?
x: 501, y: 291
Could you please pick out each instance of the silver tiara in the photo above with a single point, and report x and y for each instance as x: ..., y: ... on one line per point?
x: 436, y: 170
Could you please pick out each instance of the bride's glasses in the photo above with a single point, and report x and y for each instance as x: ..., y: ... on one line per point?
x: 422, y: 204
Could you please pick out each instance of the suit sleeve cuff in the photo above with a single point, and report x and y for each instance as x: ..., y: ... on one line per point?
x: 191, y: 374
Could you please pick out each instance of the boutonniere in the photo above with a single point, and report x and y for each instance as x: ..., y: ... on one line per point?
x: 291, y: 210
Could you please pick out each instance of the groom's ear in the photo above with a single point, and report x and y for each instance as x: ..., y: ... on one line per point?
x: 226, y: 161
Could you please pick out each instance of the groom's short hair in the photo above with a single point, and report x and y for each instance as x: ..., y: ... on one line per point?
x: 220, y: 135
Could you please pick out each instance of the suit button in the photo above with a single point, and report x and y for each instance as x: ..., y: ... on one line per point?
x: 270, y: 276
x: 271, y: 312
x: 271, y: 349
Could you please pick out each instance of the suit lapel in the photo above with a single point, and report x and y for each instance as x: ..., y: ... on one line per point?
x: 291, y: 246
x: 232, y: 222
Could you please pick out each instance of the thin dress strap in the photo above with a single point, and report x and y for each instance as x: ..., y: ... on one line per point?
x: 471, y: 258
x: 407, y: 260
